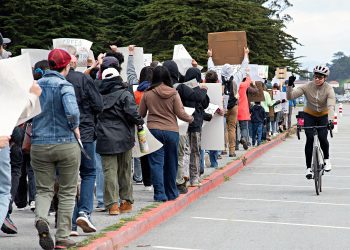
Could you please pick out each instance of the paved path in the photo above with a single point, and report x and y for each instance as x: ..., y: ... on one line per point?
x: 268, y: 205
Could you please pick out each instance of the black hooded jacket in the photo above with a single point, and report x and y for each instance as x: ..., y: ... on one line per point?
x: 89, y: 101
x: 116, y: 124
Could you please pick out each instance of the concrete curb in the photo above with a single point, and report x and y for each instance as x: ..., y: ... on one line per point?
x: 148, y: 220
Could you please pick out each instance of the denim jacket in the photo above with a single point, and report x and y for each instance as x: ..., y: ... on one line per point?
x: 59, y: 111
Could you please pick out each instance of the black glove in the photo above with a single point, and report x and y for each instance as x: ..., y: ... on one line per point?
x: 277, y: 102
x: 283, y: 101
x: 330, y: 125
x: 291, y: 80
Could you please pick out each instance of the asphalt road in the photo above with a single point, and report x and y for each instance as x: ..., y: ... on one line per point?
x: 268, y: 205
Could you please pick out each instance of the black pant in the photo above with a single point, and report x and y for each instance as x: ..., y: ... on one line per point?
x: 16, y: 158
x: 310, y: 120
x: 146, y: 171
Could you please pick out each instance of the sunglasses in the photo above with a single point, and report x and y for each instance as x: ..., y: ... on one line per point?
x: 318, y: 77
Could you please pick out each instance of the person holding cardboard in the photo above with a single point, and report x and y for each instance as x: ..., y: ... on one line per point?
x: 230, y: 82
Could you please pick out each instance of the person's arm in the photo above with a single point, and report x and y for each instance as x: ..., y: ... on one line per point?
x: 295, y: 93
x: 4, y: 141
x: 241, y: 73
x: 143, y: 106
x: 179, y: 110
x: 130, y: 110
x: 70, y: 105
x: 130, y: 70
x: 331, y: 101
x: 95, y: 98
x: 210, y: 63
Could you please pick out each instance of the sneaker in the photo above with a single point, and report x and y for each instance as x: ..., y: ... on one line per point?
x: 125, y: 207
x: 328, y: 165
x: 244, y: 143
x: 136, y: 181
x: 224, y: 152
x: 65, y: 244
x: 148, y: 188
x: 83, y: 221
x: 114, y: 209
x: 232, y: 155
x: 8, y: 227
x: 195, y: 184
x: 308, y: 174
x: 100, y: 209
x: 45, y: 240
x: 32, y: 205
x: 74, y: 234
x: 182, y: 188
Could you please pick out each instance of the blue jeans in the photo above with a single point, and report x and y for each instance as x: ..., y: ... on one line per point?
x: 163, y: 164
x: 243, y: 127
x: 137, y: 170
x: 5, y: 182
x: 201, y: 169
x: 257, y: 131
x: 213, y: 156
x: 88, y: 177
x: 99, y: 181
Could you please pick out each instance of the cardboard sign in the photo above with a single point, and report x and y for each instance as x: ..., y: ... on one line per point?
x: 138, y: 61
x: 36, y: 55
x: 281, y: 73
x: 213, y: 137
x: 75, y: 46
x: 228, y: 47
x: 257, y: 97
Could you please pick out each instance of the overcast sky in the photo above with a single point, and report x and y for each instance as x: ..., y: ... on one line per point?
x: 322, y: 27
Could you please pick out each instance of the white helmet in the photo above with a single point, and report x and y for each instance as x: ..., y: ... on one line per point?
x: 323, y: 70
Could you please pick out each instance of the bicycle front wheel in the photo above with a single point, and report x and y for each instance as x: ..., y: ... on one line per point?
x: 315, y: 169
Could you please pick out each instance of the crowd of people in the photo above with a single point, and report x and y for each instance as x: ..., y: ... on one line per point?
x: 82, y: 141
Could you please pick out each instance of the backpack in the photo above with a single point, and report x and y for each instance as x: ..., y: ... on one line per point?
x: 228, y: 90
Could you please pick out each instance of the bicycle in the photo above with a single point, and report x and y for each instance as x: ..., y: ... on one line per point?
x: 317, y: 154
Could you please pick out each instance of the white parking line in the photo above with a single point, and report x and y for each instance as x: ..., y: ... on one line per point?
x: 286, y: 201
x: 288, y: 165
x: 273, y: 185
x: 328, y: 175
x: 174, y: 248
x: 272, y: 222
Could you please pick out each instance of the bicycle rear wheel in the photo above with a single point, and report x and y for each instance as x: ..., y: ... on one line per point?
x: 315, y: 169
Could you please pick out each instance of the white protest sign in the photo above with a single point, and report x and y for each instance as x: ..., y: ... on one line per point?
x: 147, y: 59
x: 213, y: 137
x: 276, y: 97
x: 81, y: 46
x: 182, y: 58
x: 285, y: 105
x: 138, y: 61
x: 263, y: 71
x: 235, y: 69
x: 15, y: 81
x: 254, y: 72
x: 183, y: 126
x: 36, y: 55
x: 153, y: 144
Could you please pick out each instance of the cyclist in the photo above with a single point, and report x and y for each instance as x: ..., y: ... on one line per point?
x: 319, y: 111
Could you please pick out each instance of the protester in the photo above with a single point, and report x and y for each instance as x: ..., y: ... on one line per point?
x: 163, y: 104
x: 90, y: 104
x: 116, y: 137
x: 55, y: 148
x: 4, y: 54
x: 257, y: 119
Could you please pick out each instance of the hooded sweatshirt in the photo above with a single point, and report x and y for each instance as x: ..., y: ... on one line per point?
x: 163, y: 104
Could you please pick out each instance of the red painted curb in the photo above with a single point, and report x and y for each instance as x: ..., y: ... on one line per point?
x: 134, y: 229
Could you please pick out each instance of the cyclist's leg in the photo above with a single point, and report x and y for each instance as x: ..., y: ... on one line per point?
x: 309, y: 120
x: 322, y: 135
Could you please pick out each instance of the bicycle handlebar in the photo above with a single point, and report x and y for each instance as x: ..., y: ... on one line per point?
x: 299, y: 128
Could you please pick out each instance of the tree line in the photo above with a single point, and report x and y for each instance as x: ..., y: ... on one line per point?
x: 156, y: 25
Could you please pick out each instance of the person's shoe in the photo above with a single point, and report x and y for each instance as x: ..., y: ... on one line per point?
x: 136, y: 181
x: 125, y: 207
x: 219, y: 157
x: 32, y: 205
x: 148, y: 188
x: 114, y: 209
x: 8, y: 227
x: 45, y: 240
x: 74, y: 234
x: 244, y: 143
x: 100, y: 208
x: 182, y: 188
x: 85, y: 224
x: 232, y: 155
x: 328, y: 165
x: 224, y: 152
x: 195, y: 184
x: 308, y: 174
x: 65, y: 244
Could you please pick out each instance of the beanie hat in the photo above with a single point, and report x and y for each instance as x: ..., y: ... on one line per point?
x: 59, y: 58
x: 108, y: 61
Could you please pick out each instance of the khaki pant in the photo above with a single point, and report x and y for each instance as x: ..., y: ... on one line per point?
x: 195, y: 146
x: 45, y: 160
x: 231, y: 124
x: 183, y: 160
x: 117, y: 173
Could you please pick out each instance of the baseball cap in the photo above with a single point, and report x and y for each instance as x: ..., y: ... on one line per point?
x: 59, y: 58
x: 4, y: 40
x: 110, y: 73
